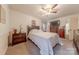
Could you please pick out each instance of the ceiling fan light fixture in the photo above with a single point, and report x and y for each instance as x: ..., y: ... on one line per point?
x: 49, y: 8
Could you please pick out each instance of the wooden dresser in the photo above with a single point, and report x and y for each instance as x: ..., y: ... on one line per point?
x: 18, y: 38
x: 76, y: 40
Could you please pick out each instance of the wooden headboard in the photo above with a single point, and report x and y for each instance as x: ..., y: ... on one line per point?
x: 29, y: 28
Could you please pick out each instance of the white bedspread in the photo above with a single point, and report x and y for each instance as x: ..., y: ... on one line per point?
x: 44, y: 40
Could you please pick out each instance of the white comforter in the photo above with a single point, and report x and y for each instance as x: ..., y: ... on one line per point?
x: 44, y: 40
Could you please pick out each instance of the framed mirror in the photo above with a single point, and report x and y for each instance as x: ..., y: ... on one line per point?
x: 2, y: 15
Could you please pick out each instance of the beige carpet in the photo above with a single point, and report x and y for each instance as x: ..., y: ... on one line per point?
x: 28, y: 48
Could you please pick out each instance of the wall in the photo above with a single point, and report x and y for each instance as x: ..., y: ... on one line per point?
x: 4, y: 31
x: 71, y: 19
x: 18, y: 18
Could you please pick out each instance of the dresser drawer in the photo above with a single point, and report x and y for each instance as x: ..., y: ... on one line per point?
x: 18, y: 38
x: 18, y: 41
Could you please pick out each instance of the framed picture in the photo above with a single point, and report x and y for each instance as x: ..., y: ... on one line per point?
x: 2, y: 15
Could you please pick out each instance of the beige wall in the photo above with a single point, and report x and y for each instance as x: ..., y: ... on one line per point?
x: 4, y: 31
x: 18, y: 18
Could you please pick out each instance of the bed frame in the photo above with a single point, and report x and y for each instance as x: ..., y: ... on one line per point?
x: 29, y: 28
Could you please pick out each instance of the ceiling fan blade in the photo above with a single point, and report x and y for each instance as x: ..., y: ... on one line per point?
x: 54, y: 6
x: 54, y: 11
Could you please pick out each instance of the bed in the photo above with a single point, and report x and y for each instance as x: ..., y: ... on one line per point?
x: 44, y: 40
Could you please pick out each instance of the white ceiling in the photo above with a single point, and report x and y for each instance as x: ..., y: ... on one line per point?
x: 35, y: 10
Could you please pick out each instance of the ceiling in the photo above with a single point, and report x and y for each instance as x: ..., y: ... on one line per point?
x: 35, y: 10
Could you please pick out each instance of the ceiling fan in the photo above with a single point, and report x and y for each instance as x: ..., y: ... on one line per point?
x: 50, y: 8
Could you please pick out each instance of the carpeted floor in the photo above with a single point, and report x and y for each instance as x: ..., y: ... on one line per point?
x: 28, y: 48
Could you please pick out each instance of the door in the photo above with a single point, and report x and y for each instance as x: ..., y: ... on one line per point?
x: 67, y: 28
x: 61, y: 32
x: 73, y: 23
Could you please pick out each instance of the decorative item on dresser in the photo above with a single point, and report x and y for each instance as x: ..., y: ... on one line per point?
x: 18, y: 38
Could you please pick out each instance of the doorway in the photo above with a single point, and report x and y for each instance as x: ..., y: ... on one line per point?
x: 54, y: 26
x: 67, y: 29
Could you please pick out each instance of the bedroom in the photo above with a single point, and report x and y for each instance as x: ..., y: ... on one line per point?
x: 18, y: 18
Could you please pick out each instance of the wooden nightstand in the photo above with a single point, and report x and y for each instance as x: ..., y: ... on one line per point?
x: 18, y: 38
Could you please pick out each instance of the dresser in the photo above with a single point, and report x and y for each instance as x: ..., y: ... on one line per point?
x: 18, y: 38
x: 76, y: 40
